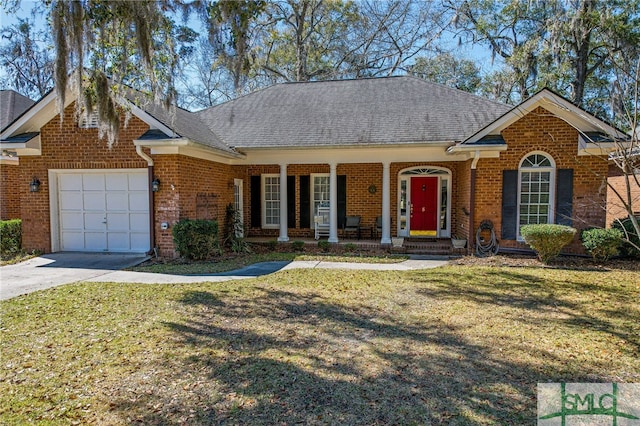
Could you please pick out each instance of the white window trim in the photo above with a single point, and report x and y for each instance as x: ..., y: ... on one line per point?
x: 552, y: 187
x: 264, y: 200
x: 312, y: 194
x: 239, y: 183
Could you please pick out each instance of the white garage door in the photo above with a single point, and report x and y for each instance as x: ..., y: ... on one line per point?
x: 104, y: 211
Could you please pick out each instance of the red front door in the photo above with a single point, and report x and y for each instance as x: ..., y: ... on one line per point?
x: 424, y: 206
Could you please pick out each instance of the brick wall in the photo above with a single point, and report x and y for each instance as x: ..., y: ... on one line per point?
x: 541, y: 131
x: 190, y: 188
x: 615, y: 207
x: 9, y: 191
x: 66, y: 146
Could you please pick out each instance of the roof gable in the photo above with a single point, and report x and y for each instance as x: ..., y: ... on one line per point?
x: 176, y: 123
x: 560, y: 107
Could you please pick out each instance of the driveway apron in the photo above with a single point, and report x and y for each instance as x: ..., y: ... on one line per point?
x: 51, y: 270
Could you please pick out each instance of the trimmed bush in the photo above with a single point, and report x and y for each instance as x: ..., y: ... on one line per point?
x: 602, y: 244
x: 197, y: 239
x: 297, y: 245
x: 626, y: 227
x: 350, y: 247
x: 324, y: 245
x: 10, y: 237
x: 547, y: 239
x: 272, y: 245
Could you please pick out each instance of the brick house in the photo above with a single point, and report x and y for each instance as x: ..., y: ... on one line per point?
x: 421, y: 159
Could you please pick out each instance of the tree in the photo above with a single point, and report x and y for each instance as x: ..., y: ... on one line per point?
x: 562, y: 44
x: 204, y: 80
x: 626, y: 155
x: 446, y: 69
x: 302, y: 40
x: 111, y: 44
x: 513, y: 31
x: 26, y: 59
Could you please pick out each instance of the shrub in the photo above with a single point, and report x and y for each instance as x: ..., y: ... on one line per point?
x: 350, y: 247
x: 324, y: 245
x: 297, y: 245
x: 547, y: 239
x: 626, y: 227
x: 10, y: 237
x: 602, y: 244
x: 196, y: 239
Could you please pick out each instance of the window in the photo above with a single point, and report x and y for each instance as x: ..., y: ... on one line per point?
x: 271, y: 201
x: 238, y: 206
x: 535, y: 194
x: 320, y: 192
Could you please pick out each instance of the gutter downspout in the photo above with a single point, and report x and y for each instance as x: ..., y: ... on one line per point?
x: 472, y: 201
x: 152, y: 215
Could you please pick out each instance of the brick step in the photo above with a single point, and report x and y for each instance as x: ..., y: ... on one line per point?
x: 429, y: 252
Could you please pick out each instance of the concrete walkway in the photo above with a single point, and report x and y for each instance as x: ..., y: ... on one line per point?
x: 264, y: 268
x: 56, y: 269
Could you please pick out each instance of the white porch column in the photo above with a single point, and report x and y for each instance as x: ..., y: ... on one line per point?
x: 386, y: 205
x: 284, y: 220
x: 333, y: 203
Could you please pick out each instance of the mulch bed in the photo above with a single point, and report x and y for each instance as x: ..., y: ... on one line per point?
x: 562, y: 262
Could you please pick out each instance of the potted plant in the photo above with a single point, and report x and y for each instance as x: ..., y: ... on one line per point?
x: 397, y: 241
x: 458, y: 243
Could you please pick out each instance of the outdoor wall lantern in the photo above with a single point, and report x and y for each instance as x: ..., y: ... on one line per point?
x: 34, y: 186
x: 155, y: 185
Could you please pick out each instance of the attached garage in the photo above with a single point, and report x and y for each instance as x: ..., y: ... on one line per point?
x: 100, y: 210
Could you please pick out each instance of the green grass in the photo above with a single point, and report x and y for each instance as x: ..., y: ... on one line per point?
x: 232, y: 263
x: 17, y: 258
x: 454, y: 345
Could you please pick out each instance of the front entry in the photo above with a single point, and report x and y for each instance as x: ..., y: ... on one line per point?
x: 424, y: 206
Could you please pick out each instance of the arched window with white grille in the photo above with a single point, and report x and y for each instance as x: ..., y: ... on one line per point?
x: 536, y: 183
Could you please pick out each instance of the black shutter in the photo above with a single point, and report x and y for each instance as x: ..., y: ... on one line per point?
x: 342, y: 200
x: 509, y: 204
x: 256, y: 202
x: 305, y: 202
x: 564, y: 197
x: 291, y: 201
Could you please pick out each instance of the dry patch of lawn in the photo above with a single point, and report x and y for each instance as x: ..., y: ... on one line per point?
x: 454, y: 345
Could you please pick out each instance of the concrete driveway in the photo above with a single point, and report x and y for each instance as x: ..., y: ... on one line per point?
x: 55, y: 269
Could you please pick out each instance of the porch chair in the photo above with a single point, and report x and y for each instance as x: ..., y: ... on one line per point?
x: 352, y: 224
x: 378, y: 226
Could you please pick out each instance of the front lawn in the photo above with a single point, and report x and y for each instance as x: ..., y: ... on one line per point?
x: 453, y: 345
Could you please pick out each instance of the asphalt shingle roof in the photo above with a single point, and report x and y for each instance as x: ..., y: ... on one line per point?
x: 182, y: 122
x: 12, y: 104
x: 391, y: 110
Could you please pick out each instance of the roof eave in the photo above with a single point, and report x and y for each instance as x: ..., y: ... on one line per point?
x: 462, y: 148
x: 352, y: 145
x: 27, y: 148
x: 184, y: 146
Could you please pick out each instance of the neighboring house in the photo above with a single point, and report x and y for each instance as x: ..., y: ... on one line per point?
x: 431, y: 161
x: 12, y: 104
